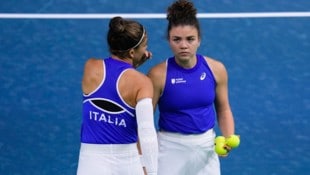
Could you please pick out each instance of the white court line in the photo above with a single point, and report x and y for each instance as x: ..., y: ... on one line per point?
x: 147, y: 15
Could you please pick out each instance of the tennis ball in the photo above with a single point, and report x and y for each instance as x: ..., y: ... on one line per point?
x: 219, y: 139
x: 233, y: 141
x: 220, y: 148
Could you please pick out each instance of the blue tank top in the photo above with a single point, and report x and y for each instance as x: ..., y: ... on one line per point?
x: 107, y: 119
x: 186, y: 104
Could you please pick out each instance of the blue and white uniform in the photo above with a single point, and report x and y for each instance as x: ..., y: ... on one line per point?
x: 187, y: 118
x: 107, y: 119
x: 109, y: 128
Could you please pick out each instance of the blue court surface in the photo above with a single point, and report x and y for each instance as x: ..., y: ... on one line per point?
x: 41, y: 64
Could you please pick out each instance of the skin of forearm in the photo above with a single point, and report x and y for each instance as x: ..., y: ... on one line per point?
x: 226, y: 123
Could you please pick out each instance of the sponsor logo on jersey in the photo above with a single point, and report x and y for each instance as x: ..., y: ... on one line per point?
x: 177, y: 80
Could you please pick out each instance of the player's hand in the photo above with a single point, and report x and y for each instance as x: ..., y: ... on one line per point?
x: 228, y: 149
x: 147, y: 55
x: 223, y: 145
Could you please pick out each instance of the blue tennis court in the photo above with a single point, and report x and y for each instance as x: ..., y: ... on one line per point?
x: 41, y: 64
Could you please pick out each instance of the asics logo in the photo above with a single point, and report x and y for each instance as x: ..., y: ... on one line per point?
x: 203, y: 76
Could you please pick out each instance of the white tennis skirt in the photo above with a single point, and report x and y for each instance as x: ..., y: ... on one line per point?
x: 193, y: 154
x: 109, y: 159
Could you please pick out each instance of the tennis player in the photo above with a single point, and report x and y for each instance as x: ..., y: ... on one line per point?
x: 187, y: 87
x: 117, y: 107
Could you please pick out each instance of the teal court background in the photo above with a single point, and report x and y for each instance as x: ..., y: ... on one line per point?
x: 41, y: 63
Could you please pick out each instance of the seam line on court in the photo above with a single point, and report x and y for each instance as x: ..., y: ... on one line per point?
x: 148, y: 15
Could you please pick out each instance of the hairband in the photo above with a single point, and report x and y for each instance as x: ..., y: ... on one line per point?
x: 139, y: 40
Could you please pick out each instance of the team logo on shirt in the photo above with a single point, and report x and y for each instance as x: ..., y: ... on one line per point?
x: 108, y: 108
x: 107, y: 105
x: 203, y: 76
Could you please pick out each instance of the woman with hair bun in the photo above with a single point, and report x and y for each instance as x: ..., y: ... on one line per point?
x: 117, y: 107
x: 191, y: 91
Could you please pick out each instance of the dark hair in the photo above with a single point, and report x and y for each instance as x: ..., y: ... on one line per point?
x: 124, y: 35
x: 182, y: 12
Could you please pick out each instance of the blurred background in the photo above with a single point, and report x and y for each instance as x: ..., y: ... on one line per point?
x: 41, y: 64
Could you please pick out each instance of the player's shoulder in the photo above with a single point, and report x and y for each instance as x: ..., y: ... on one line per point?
x: 93, y: 62
x: 135, y: 75
x: 92, y: 65
x: 215, y: 64
x: 158, y: 70
x: 218, y: 68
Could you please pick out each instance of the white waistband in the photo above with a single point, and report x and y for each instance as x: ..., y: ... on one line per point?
x: 108, y: 148
x: 208, y: 135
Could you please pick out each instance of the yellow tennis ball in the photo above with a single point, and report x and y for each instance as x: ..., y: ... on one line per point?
x: 233, y: 141
x: 220, y: 148
x: 220, y: 139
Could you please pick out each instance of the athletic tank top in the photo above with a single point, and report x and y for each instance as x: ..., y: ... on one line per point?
x: 186, y: 104
x: 107, y: 119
